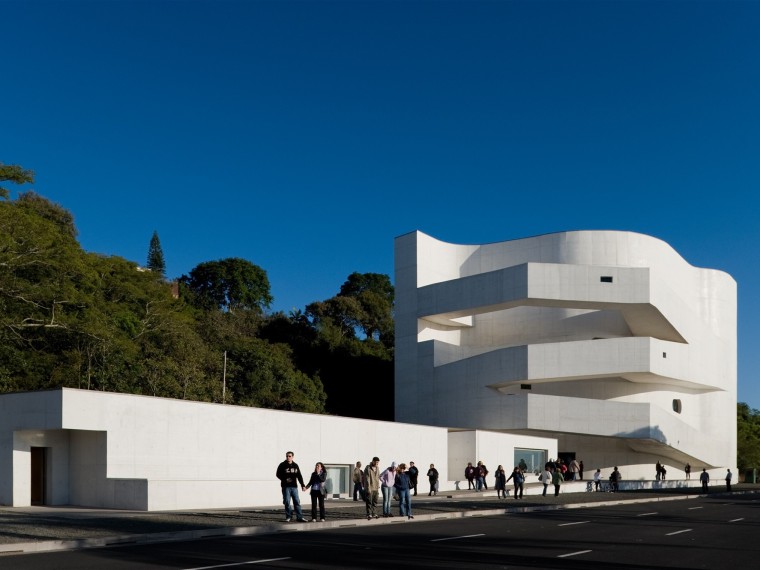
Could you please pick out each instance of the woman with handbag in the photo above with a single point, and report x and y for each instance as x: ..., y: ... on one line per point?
x: 317, y: 491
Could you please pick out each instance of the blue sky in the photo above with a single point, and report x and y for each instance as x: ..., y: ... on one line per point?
x: 305, y: 136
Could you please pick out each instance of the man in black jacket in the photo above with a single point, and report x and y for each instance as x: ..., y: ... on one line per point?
x: 290, y: 475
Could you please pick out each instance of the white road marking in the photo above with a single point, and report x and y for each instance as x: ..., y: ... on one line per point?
x: 239, y: 563
x: 679, y: 532
x: 737, y: 520
x: 456, y: 537
x: 695, y: 508
x: 572, y: 523
x: 646, y: 514
x: 573, y: 553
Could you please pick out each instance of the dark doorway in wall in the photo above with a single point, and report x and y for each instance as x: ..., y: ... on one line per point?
x: 39, y: 468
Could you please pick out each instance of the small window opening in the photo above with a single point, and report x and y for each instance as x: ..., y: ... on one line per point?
x: 664, y: 354
x: 525, y: 387
x: 677, y: 406
x: 606, y: 279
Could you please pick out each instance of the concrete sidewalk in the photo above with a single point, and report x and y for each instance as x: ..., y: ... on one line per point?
x: 39, y: 529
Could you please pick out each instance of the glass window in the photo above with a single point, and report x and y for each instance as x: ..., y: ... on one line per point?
x: 338, y: 479
x: 531, y: 460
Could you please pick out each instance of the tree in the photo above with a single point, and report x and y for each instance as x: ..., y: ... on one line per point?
x: 16, y: 174
x: 229, y: 285
x: 748, y: 437
x: 156, y: 256
x: 374, y: 294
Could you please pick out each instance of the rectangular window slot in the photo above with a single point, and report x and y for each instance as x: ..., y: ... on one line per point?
x: 525, y: 386
x: 664, y: 354
x: 606, y: 279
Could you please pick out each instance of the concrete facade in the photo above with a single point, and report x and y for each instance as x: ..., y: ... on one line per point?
x: 137, y: 452
x: 609, y: 341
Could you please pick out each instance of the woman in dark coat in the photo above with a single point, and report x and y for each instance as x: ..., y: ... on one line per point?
x: 500, y: 484
x: 432, y: 475
x: 316, y: 486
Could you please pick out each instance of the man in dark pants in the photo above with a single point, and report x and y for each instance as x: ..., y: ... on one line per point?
x: 704, y: 478
x: 413, y: 473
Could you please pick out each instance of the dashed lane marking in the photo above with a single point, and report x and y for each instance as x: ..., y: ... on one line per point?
x: 572, y: 523
x: 239, y: 563
x: 573, y: 554
x: 679, y: 531
x: 456, y: 537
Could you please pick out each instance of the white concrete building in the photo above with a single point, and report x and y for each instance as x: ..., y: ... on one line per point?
x: 609, y: 341
x: 98, y: 449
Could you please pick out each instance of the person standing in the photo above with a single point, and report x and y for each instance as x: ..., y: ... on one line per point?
x: 387, y: 477
x: 316, y: 486
x: 658, y: 468
x: 500, y: 483
x: 574, y: 469
x: 358, y: 475
x: 372, y: 487
x: 402, y: 485
x: 289, y: 475
x: 597, y: 480
x: 517, y: 481
x: 413, y: 473
x: 580, y: 469
x: 546, y: 478
x: 687, y: 470
x: 557, y: 478
x: 704, y: 478
x: 615, y: 480
x: 432, y: 476
x: 728, y: 481
x: 469, y: 474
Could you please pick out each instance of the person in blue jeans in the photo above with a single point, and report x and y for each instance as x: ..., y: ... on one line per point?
x: 289, y: 475
x: 387, y: 479
x: 402, y: 486
x: 518, y: 480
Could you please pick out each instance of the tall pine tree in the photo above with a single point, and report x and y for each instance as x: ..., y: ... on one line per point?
x: 156, y: 256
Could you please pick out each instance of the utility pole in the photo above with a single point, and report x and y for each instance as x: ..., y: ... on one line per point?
x: 224, y: 378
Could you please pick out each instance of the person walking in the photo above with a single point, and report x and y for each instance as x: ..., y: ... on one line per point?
x: 358, y: 476
x: 289, y: 475
x: 500, y: 482
x: 372, y: 487
x: 517, y: 480
x: 432, y: 476
x: 413, y: 473
x: 469, y: 474
x: 704, y: 478
x: 728, y: 481
x: 316, y: 486
x: 402, y: 485
x: 546, y: 478
x: 557, y: 478
x: 687, y: 470
x: 387, y: 477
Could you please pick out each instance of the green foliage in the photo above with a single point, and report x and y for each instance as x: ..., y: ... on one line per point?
x: 16, y: 174
x: 156, y: 256
x: 748, y: 437
x: 77, y: 319
x: 229, y: 285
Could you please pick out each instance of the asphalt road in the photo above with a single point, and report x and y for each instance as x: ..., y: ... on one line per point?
x: 708, y: 533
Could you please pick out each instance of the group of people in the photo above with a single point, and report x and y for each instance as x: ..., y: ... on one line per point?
x: 400, y: 482
x: 476, y: 476
x: 395, y: 481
